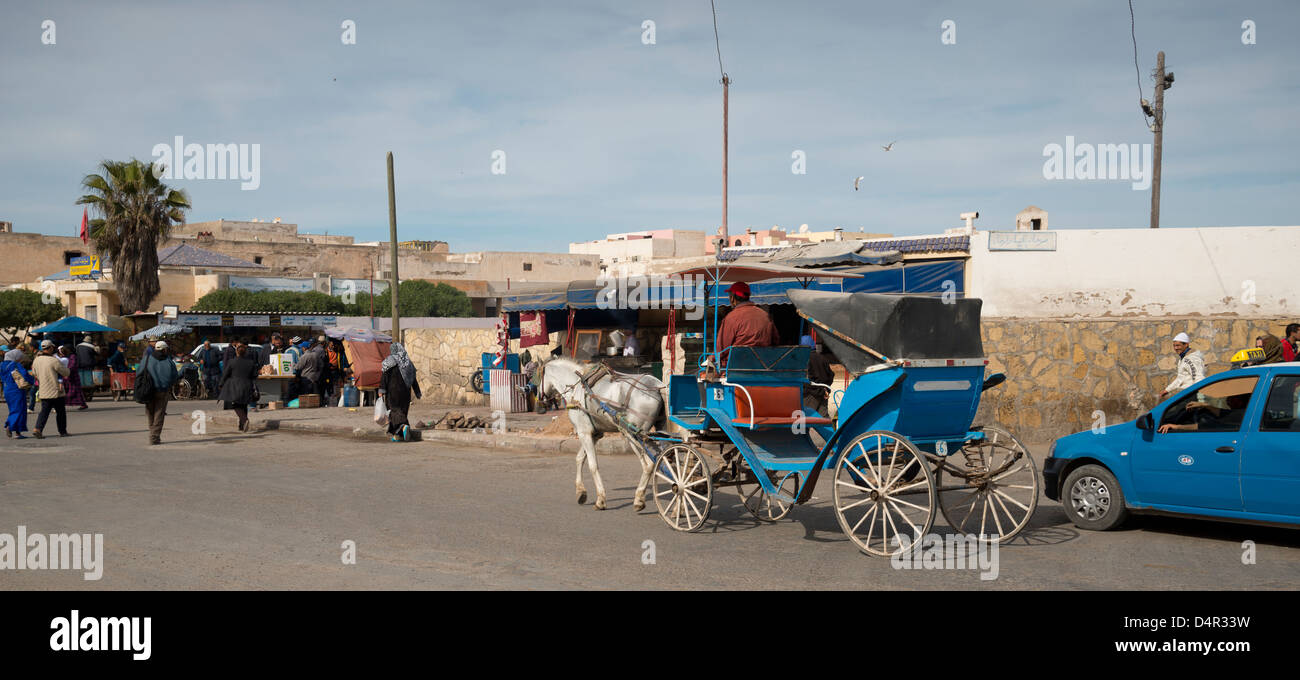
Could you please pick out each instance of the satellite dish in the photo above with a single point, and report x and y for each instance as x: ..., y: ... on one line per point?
x: 803, y: 229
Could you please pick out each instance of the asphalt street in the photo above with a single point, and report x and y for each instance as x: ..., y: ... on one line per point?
x: 224, y: 510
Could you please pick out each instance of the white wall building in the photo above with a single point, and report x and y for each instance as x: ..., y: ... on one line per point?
x: 1204, y: 271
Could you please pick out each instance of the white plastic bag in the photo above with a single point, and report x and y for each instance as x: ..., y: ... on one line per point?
x: 341, y: 400
x: 381, y: 411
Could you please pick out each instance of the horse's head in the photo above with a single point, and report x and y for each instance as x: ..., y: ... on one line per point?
x: 558, y: 376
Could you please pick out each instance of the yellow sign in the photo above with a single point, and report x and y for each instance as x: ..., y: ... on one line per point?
x: 84, y: 265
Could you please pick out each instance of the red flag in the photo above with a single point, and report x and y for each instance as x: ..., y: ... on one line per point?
x: 84, y: 234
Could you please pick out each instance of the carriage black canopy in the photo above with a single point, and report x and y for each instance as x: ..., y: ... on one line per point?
x: 897, y: 326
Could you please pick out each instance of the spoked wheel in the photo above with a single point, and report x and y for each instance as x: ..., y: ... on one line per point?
x: 884, y: 493
x: 181, y: 390
x: 992, y: 487
x: 760, y: 503
x: 683, y: 487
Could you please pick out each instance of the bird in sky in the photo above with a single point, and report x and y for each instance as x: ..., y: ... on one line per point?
x: 857, y: 182
x: 891, y: 146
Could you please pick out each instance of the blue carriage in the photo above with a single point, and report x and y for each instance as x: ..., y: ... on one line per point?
x: 900, y: 449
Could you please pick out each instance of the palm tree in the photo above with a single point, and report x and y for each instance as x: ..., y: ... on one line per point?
x: 134, y: 211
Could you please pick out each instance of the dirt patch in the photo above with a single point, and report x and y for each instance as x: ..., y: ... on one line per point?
x: 560, y: 426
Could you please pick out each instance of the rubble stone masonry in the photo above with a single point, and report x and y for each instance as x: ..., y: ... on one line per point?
x: 1059, y: 372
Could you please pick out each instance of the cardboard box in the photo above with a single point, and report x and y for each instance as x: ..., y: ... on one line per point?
x: 274, y: 405
x: 282, y: 363
x: 309, y: 401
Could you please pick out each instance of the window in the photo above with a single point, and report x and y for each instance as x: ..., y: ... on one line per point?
x: 528, y: 266
x: 1217, y: 407
x: 1036, y: 224
x: 257, y: 260
x: 69, y: 255
x: 1282, y: 410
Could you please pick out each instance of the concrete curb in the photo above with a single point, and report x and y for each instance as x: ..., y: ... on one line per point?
x: 606, y: 446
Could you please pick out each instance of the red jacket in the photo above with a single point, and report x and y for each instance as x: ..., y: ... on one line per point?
x: 748, y: 325
x: 1288, y: 352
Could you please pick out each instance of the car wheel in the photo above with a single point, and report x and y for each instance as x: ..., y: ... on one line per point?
x: 1092, y: 499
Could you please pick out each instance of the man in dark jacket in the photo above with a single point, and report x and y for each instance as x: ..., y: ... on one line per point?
x: 210, y: 365
x: 311, y: 371
x: 162, y: 370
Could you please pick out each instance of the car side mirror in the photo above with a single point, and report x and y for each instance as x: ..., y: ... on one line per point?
x: 1146, y: 422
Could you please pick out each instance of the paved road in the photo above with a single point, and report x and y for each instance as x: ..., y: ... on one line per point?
x: 225, y: 510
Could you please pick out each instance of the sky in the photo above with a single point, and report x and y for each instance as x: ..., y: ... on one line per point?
x: 603, y: 133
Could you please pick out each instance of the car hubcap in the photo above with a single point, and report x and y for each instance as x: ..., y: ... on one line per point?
x: 1090, y: 498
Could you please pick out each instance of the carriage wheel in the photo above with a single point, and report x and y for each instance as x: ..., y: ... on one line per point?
x: 761, y: 504
x: 994, y: 484
x: 882, y: 504
x: 683, y: 487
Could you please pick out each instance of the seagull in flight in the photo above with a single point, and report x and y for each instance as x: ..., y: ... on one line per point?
x: 891, y: 146
x: 856, y: 182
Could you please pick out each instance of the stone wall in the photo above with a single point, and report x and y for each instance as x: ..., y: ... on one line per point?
x: 445, y: 358
x: 1059, y: 372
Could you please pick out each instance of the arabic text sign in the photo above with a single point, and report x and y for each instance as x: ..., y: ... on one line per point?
x: 1022, y: 240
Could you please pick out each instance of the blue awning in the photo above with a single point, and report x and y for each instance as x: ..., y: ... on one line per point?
x: 74, y: 324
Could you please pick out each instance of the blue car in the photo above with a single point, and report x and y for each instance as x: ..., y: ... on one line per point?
x: 1227, y: 448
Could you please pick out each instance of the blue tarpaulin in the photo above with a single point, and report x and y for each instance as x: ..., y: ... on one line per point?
x: 654, y: 293
x: 74, y: 324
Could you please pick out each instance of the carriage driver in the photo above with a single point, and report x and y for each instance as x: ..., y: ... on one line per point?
x: 747, y: 325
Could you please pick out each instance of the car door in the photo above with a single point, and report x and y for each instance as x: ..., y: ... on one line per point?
x: 1201, y: 467
x: 1270, y: 473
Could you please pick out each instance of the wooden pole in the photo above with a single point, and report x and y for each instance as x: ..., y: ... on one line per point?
x: 1159, y: 129
x: 392, y: 242
x: 726, y: 83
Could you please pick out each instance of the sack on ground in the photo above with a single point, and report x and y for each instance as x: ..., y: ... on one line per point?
x: 381, y: 411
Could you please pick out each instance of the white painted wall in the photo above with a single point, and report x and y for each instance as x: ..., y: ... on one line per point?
x: 1143, y: 272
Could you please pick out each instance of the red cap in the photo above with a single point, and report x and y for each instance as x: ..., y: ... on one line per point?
x: 740, y: 289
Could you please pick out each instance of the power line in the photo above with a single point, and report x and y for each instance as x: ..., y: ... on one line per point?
x: 716, y: 44
x: 1132, y: 26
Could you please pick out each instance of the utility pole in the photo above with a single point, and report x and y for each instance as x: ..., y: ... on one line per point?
x: 726, y: 83
x: 392, y: 242
x: 1163, y: 82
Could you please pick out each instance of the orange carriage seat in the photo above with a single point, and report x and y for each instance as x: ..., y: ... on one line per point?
x: 773, y: 405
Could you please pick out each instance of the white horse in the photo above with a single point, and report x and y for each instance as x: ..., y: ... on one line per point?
x: 637, y: 397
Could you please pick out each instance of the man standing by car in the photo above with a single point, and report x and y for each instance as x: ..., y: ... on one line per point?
x: 1291, y: 342
x: 210, y: 365
x: 162, y: 372
x: 1191, y: 366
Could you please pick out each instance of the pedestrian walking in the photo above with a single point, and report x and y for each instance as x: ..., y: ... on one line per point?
x: 210, y: 365
x: 16, y: 380
x: 49, y: 373
x: 396, y: 384
x: 1191, y: 366
x: 238, y: 384
x: 75, y: 397
x: 162, y: 375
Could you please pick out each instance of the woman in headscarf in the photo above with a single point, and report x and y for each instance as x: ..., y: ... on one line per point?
x: 1272, y: 350
x: 73, y: 382
x: 396, y: 385
x: 15, y: 397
